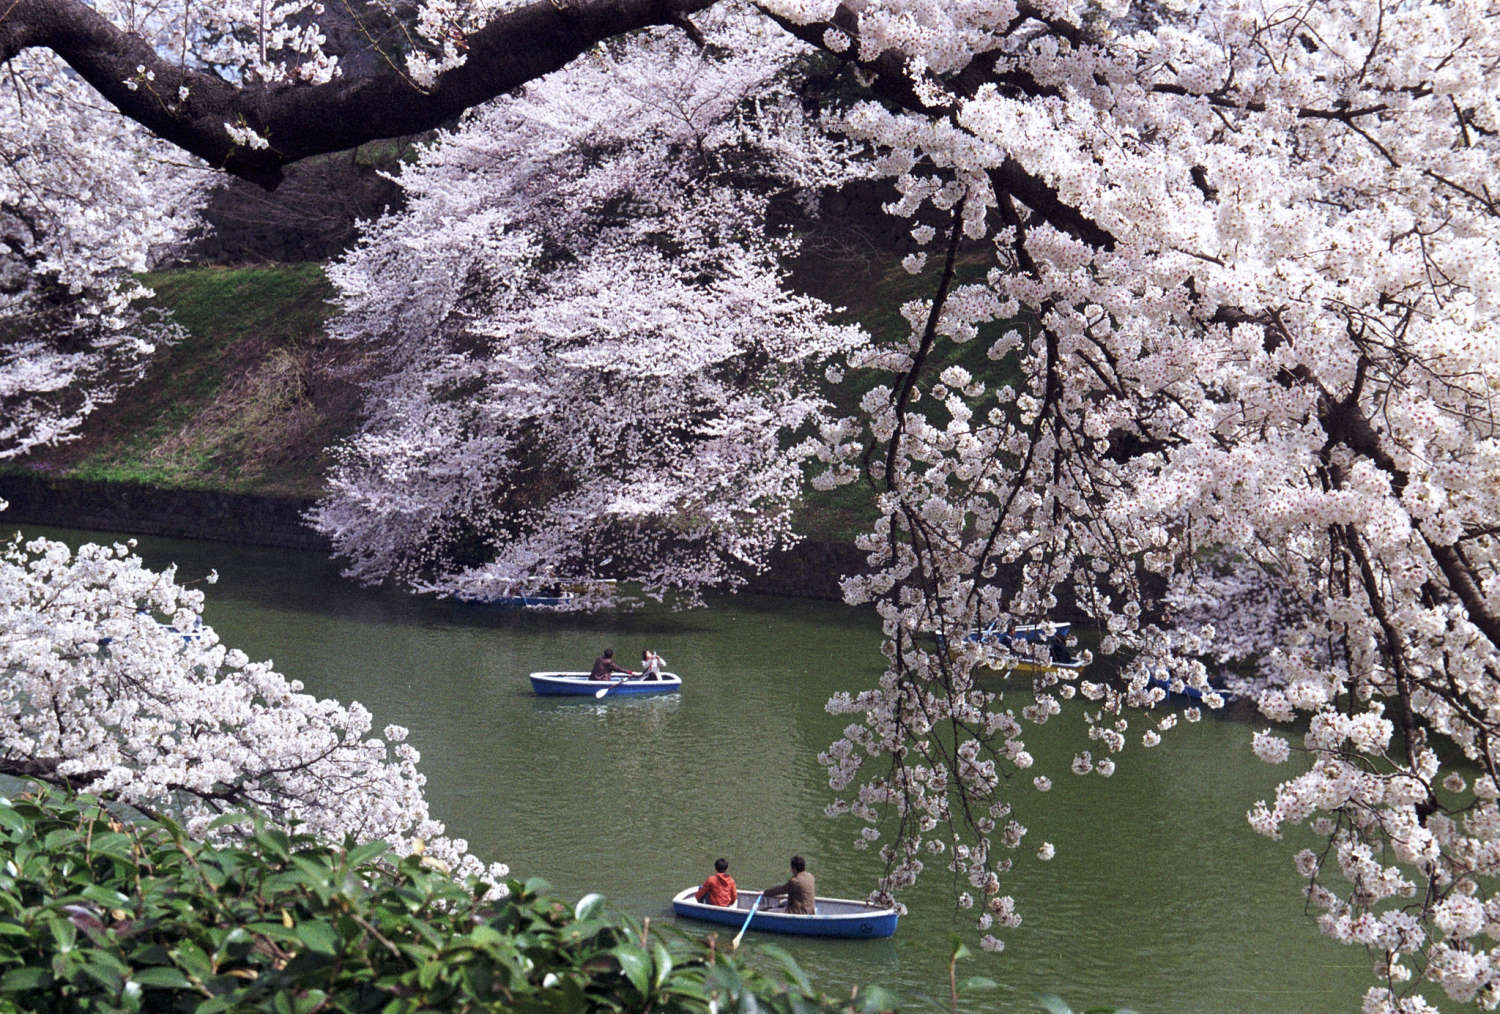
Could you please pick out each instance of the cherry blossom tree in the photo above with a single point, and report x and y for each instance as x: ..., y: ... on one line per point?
x: 1259, y: 326
x: 113, y: 685
x: 1237, y: 274
x: 86, y: 197
x: 586, y: 362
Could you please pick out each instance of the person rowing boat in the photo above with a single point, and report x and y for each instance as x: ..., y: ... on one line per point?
x: 604, y: 666
x: 801, y: 897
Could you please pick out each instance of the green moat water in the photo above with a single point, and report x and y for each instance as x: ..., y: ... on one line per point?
x: 1160, y: 897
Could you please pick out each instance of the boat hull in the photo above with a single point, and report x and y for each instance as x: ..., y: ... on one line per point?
x: 1017, y: 664
x: 836, y: 917
x: 578, y: 684
x: 1030, y: 633
x: 1192, y: 694
x: 520, y: 601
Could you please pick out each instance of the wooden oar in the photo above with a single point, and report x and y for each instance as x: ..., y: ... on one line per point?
x: 735, y: 944
x: 607, y: 689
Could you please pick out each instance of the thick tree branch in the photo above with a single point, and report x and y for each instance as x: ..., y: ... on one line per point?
x: 303, y: 120
x: 892, y: 82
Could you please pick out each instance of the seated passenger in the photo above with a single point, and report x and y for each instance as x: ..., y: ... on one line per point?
x: 651, y: 664
x: 719, y: 888
x: 1058, y: 646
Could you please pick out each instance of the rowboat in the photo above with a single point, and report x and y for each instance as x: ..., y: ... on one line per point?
x: 1180, y: 691
x: 518, y: 601
x: 578, y: 684
x: 538, y: 595
x: 1023, y: 657
x: 1020, y: 664
x: 1031, y: 633
x: 835, y: 917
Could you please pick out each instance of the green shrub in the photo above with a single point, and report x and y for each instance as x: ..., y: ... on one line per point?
x: 101, y: 915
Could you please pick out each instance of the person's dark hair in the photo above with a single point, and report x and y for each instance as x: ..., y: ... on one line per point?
x: 798, y: 864
x: 721, y: 865
x: 609, y: 653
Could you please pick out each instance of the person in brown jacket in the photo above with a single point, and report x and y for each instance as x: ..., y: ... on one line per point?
x: 604, y: 666
x: 799, y: 890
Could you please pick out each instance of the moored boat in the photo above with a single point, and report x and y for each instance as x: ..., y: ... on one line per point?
x: 1023, y: 657
x: 578, y: 684
x: 1031, y: 633
x: 1006, y: 662
x: 519, y: 600
x: 538, y: 594
x: 1027, y: 633
x: 835, y: 917
x: 1177, y: 690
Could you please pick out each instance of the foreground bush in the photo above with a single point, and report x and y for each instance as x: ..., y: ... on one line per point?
x: 100, y: 915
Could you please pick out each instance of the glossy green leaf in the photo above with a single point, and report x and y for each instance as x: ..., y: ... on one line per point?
x: 367, y: 852
x: 192, y: 959
x: 318, y: 936
x: 662, y: 959
x: 18, y: 980
x: 114, y: 845
x: 104, y: 969
x: 229, y: 819
x: 64, y: 933
x: 635, y: 963
x: 106, y: 896
x: 162, y: 977
x: 788, y: 964
x: 588, y: 906
x: 875, y: 998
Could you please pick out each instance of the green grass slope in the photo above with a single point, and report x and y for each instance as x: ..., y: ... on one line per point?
x: 247, y: 402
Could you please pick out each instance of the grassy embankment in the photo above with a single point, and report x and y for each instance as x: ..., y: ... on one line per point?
x: 253, y: 396
x: 245, y: 403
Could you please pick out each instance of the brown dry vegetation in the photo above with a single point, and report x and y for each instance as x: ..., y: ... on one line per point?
x: 247, y: 402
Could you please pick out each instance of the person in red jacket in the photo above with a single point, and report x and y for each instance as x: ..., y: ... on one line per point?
x: 719, y: 888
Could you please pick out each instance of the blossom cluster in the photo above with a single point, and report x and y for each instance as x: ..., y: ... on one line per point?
x: 1210, y: 356
x: 583, y: 359
x: 110, y: 682
x: 1240, y: 302
x: 87, y: 199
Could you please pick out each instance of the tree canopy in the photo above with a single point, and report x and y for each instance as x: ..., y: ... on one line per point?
x: 1235, y: 344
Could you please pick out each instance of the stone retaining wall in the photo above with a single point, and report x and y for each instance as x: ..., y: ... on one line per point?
x: 143, y: 510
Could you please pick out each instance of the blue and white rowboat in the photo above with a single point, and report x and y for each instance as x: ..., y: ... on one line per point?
x: 1031, y: 633
x: 835, y: 917
x: 578, y: 684
x: 1180, y: 691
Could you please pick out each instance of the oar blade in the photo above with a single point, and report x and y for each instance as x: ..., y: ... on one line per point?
x: 734, y: 945
x: 607, y: 689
